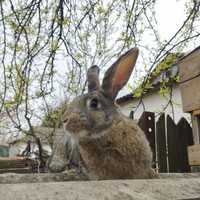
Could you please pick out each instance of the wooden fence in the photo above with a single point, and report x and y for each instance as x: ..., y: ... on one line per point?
x: 168, y: 141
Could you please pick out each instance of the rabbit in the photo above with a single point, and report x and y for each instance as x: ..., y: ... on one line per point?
x: 111, y: 145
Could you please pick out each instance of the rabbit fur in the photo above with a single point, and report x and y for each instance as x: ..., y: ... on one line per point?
x: 110, y: 145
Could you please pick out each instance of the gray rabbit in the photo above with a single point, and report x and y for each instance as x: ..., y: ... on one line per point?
x: 110, y: 145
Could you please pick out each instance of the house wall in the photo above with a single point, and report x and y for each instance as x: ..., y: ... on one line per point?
x: 154, y: 102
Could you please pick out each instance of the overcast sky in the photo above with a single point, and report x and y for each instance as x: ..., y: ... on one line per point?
x: 170, y: 15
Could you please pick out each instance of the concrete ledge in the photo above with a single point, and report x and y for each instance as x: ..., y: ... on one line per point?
x: 179, y: 175
x: 157, y: 189
x: 12, y: 178
x: 62, y: 186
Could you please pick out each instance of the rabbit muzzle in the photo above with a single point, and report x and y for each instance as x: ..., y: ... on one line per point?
x: 77, y: 125
x: 74, y: 123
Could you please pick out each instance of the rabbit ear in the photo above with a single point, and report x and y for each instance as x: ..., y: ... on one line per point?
x: 93, y: 78
x: 118, y: 74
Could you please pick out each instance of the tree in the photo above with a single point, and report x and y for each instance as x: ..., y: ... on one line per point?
x: 47, y: 46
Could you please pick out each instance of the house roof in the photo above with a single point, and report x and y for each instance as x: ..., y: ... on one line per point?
x: 155, y: 80
x: 191, y: 52
x: 12, y: 158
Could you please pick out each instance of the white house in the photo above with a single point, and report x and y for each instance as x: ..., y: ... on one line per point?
x: 153, y: 101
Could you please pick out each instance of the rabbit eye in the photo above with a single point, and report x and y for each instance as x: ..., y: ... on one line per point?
x: 94, y: 103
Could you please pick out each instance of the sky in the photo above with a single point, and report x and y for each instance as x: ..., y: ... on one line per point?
x: 170, y: 15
